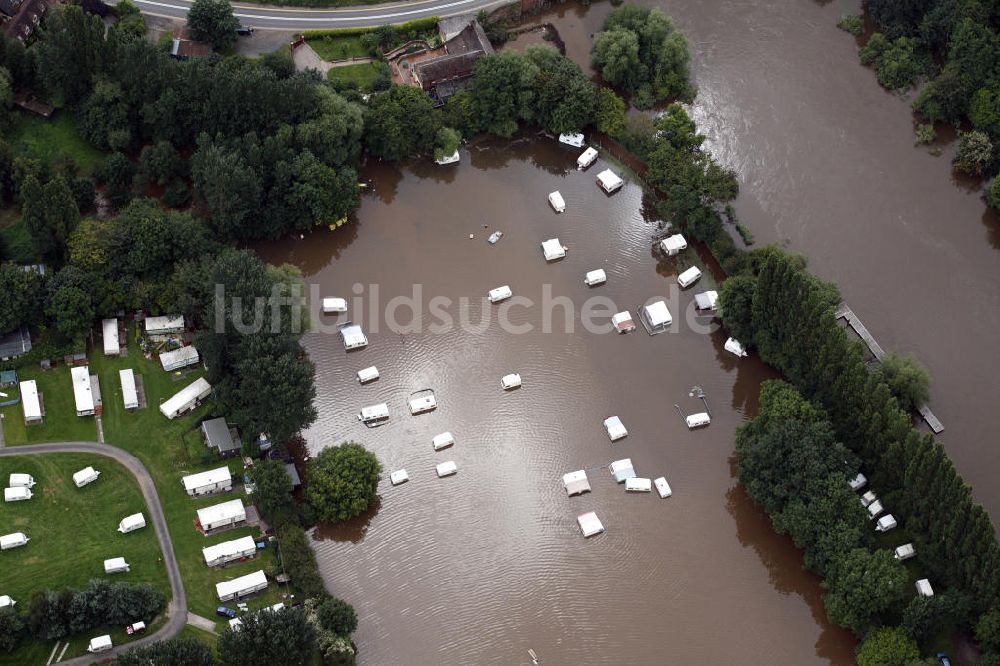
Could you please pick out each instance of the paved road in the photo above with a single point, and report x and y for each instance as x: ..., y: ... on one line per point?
x: 300, y: 18
x: 177, y: 609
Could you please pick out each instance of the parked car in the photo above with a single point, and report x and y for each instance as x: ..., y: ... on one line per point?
x: 245, y: 31
x: 222, y: 611
x: 943, y: 658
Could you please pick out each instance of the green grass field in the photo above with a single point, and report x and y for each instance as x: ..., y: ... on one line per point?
x: 60, y: 422
x: 48, y: 139
x: 338, y: 47
x: 362, y: 74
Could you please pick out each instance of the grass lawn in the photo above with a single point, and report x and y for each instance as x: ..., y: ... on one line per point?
x: 338, y: 47
x: 362, y: 74
x: 48, y: 139
x: 60, y: 422
x: 72, y: 531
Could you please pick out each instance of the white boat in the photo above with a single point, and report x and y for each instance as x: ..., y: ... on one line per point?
x: 570, y: 139
x: 733, y: 346
x: 673, y: 245
x: 608, y: 181
x: 446, y: 469
x: 662, y: 487
x: 423, y: 403
x: 586, y: 158
x: 638, y: 485
x: 443, y: 441
x: 368, y: 374
x: 858, y: 482
x: 595, y: 277
x: 689, y: 277
x: 557, y: 202
x: 398, y: 477
x: 334, y: 305
x: 511, y: 381
x: 500, y: 294
x: 494, y: 237
x: 622, y: 469
x: 553, y: 249
x: 615, y: 427
x: 622, y: 322
x: 448, y: 159
x: 374, y: 415
x: 589, y: 524
x: 697, y: 420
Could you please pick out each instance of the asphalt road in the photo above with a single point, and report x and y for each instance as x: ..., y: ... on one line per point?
x: 300, y: 18
x: 177, y: 609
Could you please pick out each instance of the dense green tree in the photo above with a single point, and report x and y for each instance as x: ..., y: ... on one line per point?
x: 213, y: 21
x: 446, y: 142
x: 975, y: 152
x: 130, y: 24
x: 338, y: 616
x: 273, y: 493
x: 6, y: 96
x: 299, y: 560
x: 279, y: 63
x: 161, y: 163
x: 888, y: 646
x: 343, y: 481
x: 616, y: 57
x: 862, y: 586
x: 907, y: 379
x: 503, y: 92
x: 897, y: 63
x: 73, y: 52
x: 11, y: 629
x: 116, y: 175
x: 177, y: 651
x: 736, y: 307
x: 988, y: 631
x: 21, y: 297
x: 974, y: 51
x: 945, y: 98
x: 984, y: 112
x: 400, y: 122
x: 334, y: 135
x: 609, y: 112
x: 72, y: 310
x: 268, y: 637
x: 230, y: 188
x: 564, y: 97
x: 50, y: 214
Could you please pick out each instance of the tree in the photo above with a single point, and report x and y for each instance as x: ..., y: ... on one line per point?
x: 213, y: 21
x: 907, y: 379
x: 400, y: 122
x: 862, y: 586
x: 446, y: 142
x: 177, y: 651
x: 269, y: 637
x: 103, y: 119
x: 616, y: 57
x: 6, y: 95
x: 338, y: 616
x: 21, y: 297
x: 609, y: 112
x: 975, y: 152
x: 299, y: 561
x: 50, y: 214
x: 161, y: 163
x: 11, y: 629
x: 73, y: 52
x: 988, y: 631
x: 564, y: 97
x: 230, y: 187
x: 130, y: 23
x: 116, y: 175
x: 503, y: 92
x: 72, y: 310
x: 273, y: 493
x: 897, y: 63
x: 343, y: 481
x: 279, y: 63
x: 736, y: 307
x: 888, y: 646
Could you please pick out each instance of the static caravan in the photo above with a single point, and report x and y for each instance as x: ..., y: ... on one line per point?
x: 615, y: 427
x: 331, y: 305
x: 858, y: 482
x: 187, y: 398
x: 638, y: 485
x: 905, y: 552
x: 443, y: 441
x: 6, y: 601
x: 656, y: 316
x: 210, y: 481
x: 446, y: 468
x: 557, y: 202
x: 689, y: 277
x: 622, y: 322
x: 662, y: 487
x: 100, y: 644
x: 179, y: 358
x: 353, y: 336
x: 596, y: 277
x: 241, y: 587
x: 589, y: 524
x: 85, y: 476
x: 130, y: 396
x: 166, y: 325
x: 30, y: 402
x: 570, y: 139
x: 553, y: 249
x: 225, y: 514
x: 735, y: 347
x: 609, y: 182
x: 924, y: 588
x: 422, y: 403
x: 698, y: 420
x: 82, y: 391
x: 499, y: 294
x: 576, y: 483
x: 398, y: 477
x: 21, y: 480
x: 374, y: 414
x: 14, y: 540
x: 112, y: 344
x: 706, y: 300
x: 511, y: 381
x: 586, y: 158
x: 673, y: 245
x: 229, y: 551
x: 116, y: 565
x: 885, y: 523
x: 622, y: 469
x: 368, y: 374
x: 132, y: 523
x: 17, y: 494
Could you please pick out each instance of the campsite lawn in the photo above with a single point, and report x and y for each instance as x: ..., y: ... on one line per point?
x: 338, y: 47
x: 362, y: 74
x: 60, y: 424
x: 47, y: 140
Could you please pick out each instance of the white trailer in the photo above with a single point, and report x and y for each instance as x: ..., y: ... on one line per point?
x: 82, y: 391
x: 132, y: 523
x: 222, y: 515
x: 130, y: 396
x: 116, y: 565
x: 14, y: 540
x: 17, y: 494
x: 210, y: 481
x: 112, y: 344
x: 181, y: 357
x: 85, y: 476
x: 186, y: 399
x: 229, y: 551
x: 241, y: 587
x: 30, y: 402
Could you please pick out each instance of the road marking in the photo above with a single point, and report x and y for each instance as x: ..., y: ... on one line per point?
x: 427, y: 12
x: 320, y: 10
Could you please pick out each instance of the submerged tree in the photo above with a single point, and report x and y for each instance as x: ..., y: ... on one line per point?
x: 906, y: 378
x: 343, y: 481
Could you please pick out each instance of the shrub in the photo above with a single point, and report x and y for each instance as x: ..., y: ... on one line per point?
x: 337, y: 616
x: 925, y: 134
x: 851, y: 23
x: 975, y: 152
x: 906, y: 378
x: 343, y: 481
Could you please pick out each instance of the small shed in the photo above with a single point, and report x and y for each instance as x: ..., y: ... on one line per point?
x: 229, y: 551
x: 657, y: 317
x: 164, y: 325
x: 858, y: 482
x: 225, y: 514
x: 673, y: 245
x: 589, y: 524
x: 622, y: 321
x: 905, y: 552
x: 499, y: 294
x: 595, y: 277
x: 446, y: 468
x: 82, y: 390
x: 241, y: 587
x: 398, y: 477
x: 885, y: 523
x: 210, y: 481
x: 21, y: 480
x: 6, y: 601
x: 924, y: 588
x: 638, y: 485
x: 116, y: 565
x: 443, y: 441
x: 112, y: 344
x: 100, y: 644
x: 553, y: 249
x: 557, y: 202
x: 374, y: 414
x: 132, y: 523
x: 571, y: 139
x: 181, y: 357
x: 85, y: 476
x: 698, y: 420
x: 586, y: 158
x: 368, y: 374
x: 353, y: 336
x: 622, y: 469
x: 187, y: 398
x: 331, y: 305
x: 576, y: 483
x: 609, y: 182
x: 706, y: 300
x: 218, y: 436
x: 18, y: 494
x: 689, y: 277
x: 733, y: 346
x: 130, y: 395
x: 615, y: 427
x: 13, y: 540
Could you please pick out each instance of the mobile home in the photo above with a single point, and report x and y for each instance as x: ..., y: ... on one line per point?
x: 622, y: 470
x: 229, y: 551
x: 557, y: 202
x: 673, y: 245
x: 368, y: 374
x: 398, y: 477
x: 586, y: 158
x: 656, y: 316
x: 353, y: 336
x: 576, y: 483
x: 698, y: 420
x: 595, y: 277
x: 130, y: 396
x: 187, y: 398
x: 571, y: 139
x: 511, y: 381
x: 423, y: 403
x: 85, y: 476
x: 689, y: 277
x: 609, y: 182
x: 374, y: 414
x: 589, y: 524
x: 443, y: 441
x: 112, y: 344
x: 181, y: 357
x: 207, y: 482
x: 553, y: 249
x: 615, y: 427
x: 100, y: 644
x: 499, y: 294
x: 17, y: 480
x: 446, y: 468
x: 31, y: 403
x: 82, y: 391
x: 166, y: 325
x: 241, y: 587
x: 225, y: 514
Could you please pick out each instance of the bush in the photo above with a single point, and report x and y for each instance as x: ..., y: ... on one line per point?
x: 925, y: 134
x: 897, y: 63
x: 643, y: 99
x: 993, y: 194
x: 907, y: 379
x: 11, y: 629
x: 177, y: 194
x: 851, y: 23
x: 299, y: 561
x: 337, y: 616
x: 343, y: 481
x: 975, y: 152
x: 888, y: 646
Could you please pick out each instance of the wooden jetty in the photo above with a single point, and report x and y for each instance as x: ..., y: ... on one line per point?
x: 846, y: 313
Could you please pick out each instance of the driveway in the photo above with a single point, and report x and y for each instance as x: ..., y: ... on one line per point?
x: 177, y: 609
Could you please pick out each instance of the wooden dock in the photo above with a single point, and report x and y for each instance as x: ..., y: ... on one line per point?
x: 846, y: 313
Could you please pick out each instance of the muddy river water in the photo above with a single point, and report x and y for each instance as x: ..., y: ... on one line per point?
x: 482, y: 566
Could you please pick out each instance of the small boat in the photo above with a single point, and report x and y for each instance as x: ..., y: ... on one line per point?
x: 557, y: 202
x: 368, y: 374
x: 494, y: 237
x: 443, y: 441
x: 662, y: 487
x: 570, y: 139
x: 499, y: 294
x: 595, y: 277
x: 511, y: 381
x: 422, y: 403
x: 638, y: 485
x: 398, y: 477
x: 446, y: 469
x: 334, y: 305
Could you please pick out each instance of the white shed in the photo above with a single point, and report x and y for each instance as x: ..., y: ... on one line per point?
x: 638, y: 485
x: 209, y: 481
x: 608, y: 181
x: 586, y: 158
x: 589, y: 524
x: 353, y: 336
x: 100, y: 644
x: 615, y: 427
x: 673, y: 245
x: 112, y: 345
x: 116, y: 565
x: 706, y: 300
x: 398, y: 477
x: 576, y: 483
x: 187, y: 398
x: 228, y: 551
x: 885, y: 523
x: 924, y: 588
x: 733, y: 346
x: 905, y: 552
x: 165, y: 325
x: 222, y: 515
x: 368, y: 374
x: 657, y: 316
x: 499, y: 294
x: 17, y: 480
x: 82, y: 391
x: 557, y: 202
x: 179, y: 358
x: 14, y: 540
x: 6, y: 601
x: 131, y: 523
x: 443, y: 441
x: 374, y: 414
x: 697, y: 420
x: 30, y: 402
x: 334, y: 305
x: 553, y: 249
x: 446, y: 468
x: 571, y: 139
x: 242, y: 586
x: 622, y: 469
x: 85, y: 476
x: 689, y: 277
x: 16, y: 494
x: 595, y: 277
x: 130, y: 396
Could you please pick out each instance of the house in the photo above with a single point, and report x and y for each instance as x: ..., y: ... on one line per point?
x: 24, y: 20
x: 31, y: 402
x: 187, y: 398
x: 14, y: 344
x: 213, y: 481
x: 229, y: 551
x: 241, y: 587
x: 179, y: 358
x: 130, y: 396
x: 165, y: 325
x: 83, y: 392
x: 446, y: 74
x: 222, y: 515
x: 112, y: 345
x: 218, y: 437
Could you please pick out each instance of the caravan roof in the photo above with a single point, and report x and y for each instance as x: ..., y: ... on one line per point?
x: 697, y: 420
x: 16, y: 494
x: 885, y: 523
x: 164, y: 324
x: 82, y: 391
x: 589, y: 524
x: 398, y: 477
x: 557, y: 201
x: 423, y: 403
x: 608, y: 181
x: 586, y: 158
x: 17, y: 479
x: 112, y: 347
x: 129, y: 394
x: 571, y: 139
x: 615, y: 427
x: 662, y: 487
x: 6, y: 601
x: 115, y: 565
x: 12, y: 540
x: 553, y: 249
x: 689, y: 277
x: 443, y: 441
x: 875, y: 508
x: 100, y: 643
x: 500, y: 294
x: 29, y: 400
x: 230, y: 588
x: 595, y: 277
x: 924, y: 588
x: 622, y: 322
x: 368, y: 374
x: 674, y: 244
x: 657, y: 315
x: 228, y: 549
x: 217, y: 513
x: 858, y: 482
x: 706, y: 300
x: 622, y: 469
x: 576, y: 483
x: 179, y: 358
x: 638, y: 485
x: 207, y: 478
x: 85, y: 476
x: 353, y: 336
x: 130, y: 523
x: 733, y: 346
x: 334, y: 305
x: 905, y: 552
x: 447, y: 468
x: 374, y: 413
